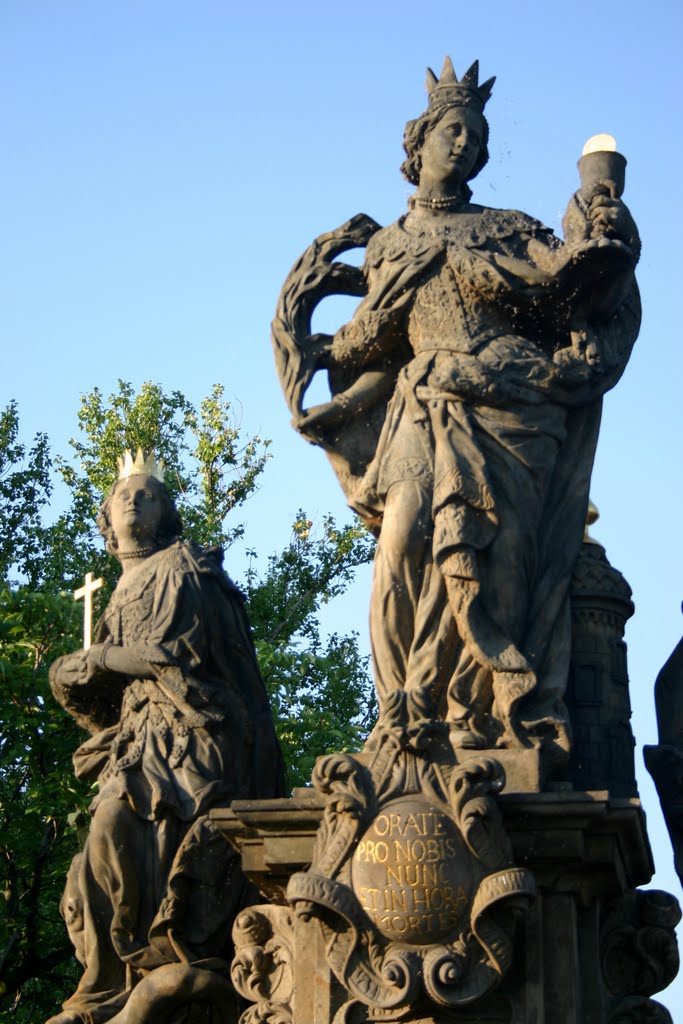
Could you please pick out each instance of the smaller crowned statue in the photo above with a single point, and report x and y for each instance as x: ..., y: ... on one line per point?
x: 171, y: 694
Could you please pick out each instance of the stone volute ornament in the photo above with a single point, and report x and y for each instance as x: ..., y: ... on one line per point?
x: 412, y: 877
x: 412, y: 882
x: 179, y: 722
x: 465, y: 403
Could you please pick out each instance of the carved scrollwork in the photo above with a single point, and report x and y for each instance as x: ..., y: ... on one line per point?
x: 412, y: 875
x: 262, y: 969
x: 349, y: 800
x: 266, y: 1013
x: 636, y: 1010
x: 639, y: 948
x: 473, y: 788
x: 376, y: 973
x: 352, y: 1012
x: 444, y: 971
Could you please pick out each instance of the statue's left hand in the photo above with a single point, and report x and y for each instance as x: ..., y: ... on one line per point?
x: 575, y: 365
x: 70, y: 670
x: 78, y: 668
x: 611, y: 218
x: 67, y: 674
x: 110, y: 660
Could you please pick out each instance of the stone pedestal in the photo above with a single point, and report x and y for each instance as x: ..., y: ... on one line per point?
x: 418, y: 884
x: 591, y: 948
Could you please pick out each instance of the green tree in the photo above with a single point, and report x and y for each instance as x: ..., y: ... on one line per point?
x: 211, y: 470
x: 320, y: 691
x: 38, y: 793
x: 25, y: 489
x: 320, y: 688
x: 37, y: 789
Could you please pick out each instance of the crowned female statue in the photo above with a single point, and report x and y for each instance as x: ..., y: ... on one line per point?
x: 465, y: 404
x: 180, y: 722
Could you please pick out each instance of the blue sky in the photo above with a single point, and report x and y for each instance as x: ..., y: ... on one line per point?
x: 164, y: 163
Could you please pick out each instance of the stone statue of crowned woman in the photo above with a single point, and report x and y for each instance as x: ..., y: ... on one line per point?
x: 465, y: 401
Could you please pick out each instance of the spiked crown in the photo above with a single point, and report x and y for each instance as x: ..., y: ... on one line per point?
x: 448, y: 91
x: 140, y: 466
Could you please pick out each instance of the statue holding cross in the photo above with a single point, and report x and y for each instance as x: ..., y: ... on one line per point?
x: 170, y: 691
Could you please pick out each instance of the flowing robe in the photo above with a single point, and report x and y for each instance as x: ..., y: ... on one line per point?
x: 480, y: 476
x: 156, y: 883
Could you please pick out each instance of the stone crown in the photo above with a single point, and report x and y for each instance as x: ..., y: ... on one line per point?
x: 448, y: 91
x: 140, y: 465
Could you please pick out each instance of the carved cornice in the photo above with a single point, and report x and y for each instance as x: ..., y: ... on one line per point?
x: 596, y: 583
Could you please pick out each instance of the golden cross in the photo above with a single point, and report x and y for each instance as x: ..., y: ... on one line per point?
x: 86, y: 592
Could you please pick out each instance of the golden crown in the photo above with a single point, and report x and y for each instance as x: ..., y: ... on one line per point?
x: 448, y: 91
x: 140, y: 466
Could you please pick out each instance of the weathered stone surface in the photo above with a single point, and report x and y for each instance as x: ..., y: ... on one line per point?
x: 411, y: 880
x: 466, y: 395
x: 589, y: 949
x: 411, y: 873
x: 598, y: 692
x: 179, y: 721
x: 472, y: 863
x: 601, y: 840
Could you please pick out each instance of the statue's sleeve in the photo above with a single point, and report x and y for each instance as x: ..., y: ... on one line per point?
x: 393, y: 266
x: 200, y: 629
x: 201, y: 624
x: 179, y: 630
x: 377, y: 327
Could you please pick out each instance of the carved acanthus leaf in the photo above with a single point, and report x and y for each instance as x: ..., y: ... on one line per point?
x: 262, y: 968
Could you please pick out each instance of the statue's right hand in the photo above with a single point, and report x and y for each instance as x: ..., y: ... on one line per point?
x: 319, y: 351
x: 325, y: 416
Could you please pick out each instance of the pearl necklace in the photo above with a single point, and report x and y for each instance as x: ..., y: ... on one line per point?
x: 139, y: 552
x: 437, y: 202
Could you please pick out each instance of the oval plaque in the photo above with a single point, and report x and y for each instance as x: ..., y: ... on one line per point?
x: 412, y: 873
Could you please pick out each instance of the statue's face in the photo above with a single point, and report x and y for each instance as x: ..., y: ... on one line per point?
x: 451, y: 148
x: 135, y: 511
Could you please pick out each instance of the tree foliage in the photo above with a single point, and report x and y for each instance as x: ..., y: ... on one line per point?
x: 38, y: 793
x: 320, y: 691
x: 210, y: 470
x: 319, y: 686
x: 25, y: 488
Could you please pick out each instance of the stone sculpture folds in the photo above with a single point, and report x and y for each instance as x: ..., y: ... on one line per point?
x: 464, y: 412
x: 179, y: 720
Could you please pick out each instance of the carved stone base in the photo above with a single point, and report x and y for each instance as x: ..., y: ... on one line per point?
x: 590, y: 950
x: 523, y: 769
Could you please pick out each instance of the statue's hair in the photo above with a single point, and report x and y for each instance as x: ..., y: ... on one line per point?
x: 170, y: 524
x: 414, y: 138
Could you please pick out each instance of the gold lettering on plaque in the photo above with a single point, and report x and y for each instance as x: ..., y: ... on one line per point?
x: 412, y: 873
